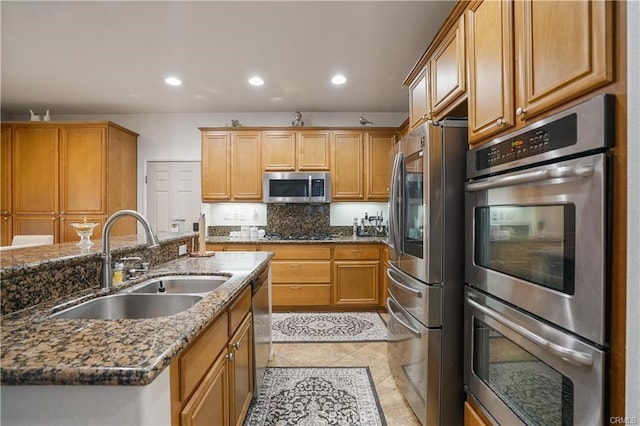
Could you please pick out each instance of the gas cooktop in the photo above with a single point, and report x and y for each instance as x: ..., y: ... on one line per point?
x: 316, y: 237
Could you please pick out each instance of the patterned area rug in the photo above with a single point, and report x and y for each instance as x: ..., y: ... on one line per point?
x: 309, y: 327
x: 316, y: 397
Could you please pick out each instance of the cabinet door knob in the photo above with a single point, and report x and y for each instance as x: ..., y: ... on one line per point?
x: 500, y: 122
x: 521, y: 111
x: 230, y: 356
x: 236, y: 345
x: 53, y: 212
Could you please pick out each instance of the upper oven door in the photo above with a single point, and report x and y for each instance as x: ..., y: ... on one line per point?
x: 537, y: 239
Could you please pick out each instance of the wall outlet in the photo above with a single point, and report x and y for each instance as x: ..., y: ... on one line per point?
x: 182, y: 249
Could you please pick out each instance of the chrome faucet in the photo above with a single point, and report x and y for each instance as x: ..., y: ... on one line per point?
x: 106, y: 280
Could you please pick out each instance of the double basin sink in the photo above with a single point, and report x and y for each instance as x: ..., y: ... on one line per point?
x: 156, y: 297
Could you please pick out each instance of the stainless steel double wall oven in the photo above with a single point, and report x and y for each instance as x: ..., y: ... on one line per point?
x: 537, y: 268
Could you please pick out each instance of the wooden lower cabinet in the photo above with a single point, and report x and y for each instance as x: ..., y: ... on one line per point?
x: 210, y: 404
x: 241, y: 371
x: 356, y: 283
x: 323, y: 276
x: 473, y: 416
x: 212, y: 380
x: 356, y: 275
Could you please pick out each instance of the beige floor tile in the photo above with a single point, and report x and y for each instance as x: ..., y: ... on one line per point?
x: 395, y: 408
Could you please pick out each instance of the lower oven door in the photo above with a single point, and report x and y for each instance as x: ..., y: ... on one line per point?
x: 526, y: 372
x: 415, y: 361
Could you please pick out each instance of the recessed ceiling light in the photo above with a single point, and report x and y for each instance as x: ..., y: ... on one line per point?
x: 339, y: 79
x: 173, y: 81
x: 256, y: 81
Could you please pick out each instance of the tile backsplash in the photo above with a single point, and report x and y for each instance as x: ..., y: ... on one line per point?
x: 299, y: 219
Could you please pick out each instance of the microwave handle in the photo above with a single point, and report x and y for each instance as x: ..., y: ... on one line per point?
x: 310, y: 188
x: 537, y: 176
x: 574, y: 357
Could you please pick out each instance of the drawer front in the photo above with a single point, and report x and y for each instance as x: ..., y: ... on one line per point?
x: 300, y: 272
x: 361, y: 252
x: 197, y: 359
x: 239, y: 310
x: 302, y: 295
x: 298, y: 251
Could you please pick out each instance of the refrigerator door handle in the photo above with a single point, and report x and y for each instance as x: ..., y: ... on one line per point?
x: 416, y: 333
x: 395, y: 212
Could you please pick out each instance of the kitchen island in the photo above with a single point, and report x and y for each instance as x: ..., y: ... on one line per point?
x: 81, y: 371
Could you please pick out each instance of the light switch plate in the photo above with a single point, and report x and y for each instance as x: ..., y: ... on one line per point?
x: 182, y: 249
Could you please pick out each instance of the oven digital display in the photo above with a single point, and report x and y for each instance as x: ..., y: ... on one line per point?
x: 549, y: 137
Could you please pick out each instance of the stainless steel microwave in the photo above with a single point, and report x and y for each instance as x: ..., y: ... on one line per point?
x: 296, y: 187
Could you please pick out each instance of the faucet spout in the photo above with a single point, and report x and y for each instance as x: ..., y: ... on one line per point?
x: 106, y: 280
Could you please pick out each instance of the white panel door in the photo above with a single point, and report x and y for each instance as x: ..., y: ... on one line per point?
x: 173, y: 192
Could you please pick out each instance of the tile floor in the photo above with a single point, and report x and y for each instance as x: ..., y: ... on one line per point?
x: 353, y: 354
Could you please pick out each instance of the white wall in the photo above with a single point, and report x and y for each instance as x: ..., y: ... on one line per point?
x: 633, y: 218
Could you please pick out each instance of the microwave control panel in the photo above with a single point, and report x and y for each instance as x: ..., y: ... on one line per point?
x: 555, y: 135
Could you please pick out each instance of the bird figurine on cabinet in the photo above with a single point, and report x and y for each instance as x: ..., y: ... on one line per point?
x: 364, y: 121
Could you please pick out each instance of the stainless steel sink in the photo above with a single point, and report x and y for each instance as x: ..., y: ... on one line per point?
x: 130, y: 306
x: 180, y: 284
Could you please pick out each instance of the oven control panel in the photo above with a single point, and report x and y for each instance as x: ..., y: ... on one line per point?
x: 548, y: 137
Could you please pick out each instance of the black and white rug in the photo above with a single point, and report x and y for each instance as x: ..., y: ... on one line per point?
x: 324, y: 327
x: 316, y: 396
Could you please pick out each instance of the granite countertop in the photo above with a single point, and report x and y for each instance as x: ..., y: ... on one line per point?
x: 334, y: 240
x: 37, y: 350
x: 15, y: 259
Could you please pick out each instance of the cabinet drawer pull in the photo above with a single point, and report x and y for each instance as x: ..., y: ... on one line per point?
x: 295, y: 288
x: 295, y: 265
x: 356, y: 251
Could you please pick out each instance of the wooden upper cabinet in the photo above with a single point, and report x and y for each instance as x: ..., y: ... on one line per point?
x: 564, y: 50
x: 304, y: 150
x: 448, y: 70
x: 313, y: 150
x: 246, y: 166
x: 378, y: 144
x: 35, y: 170
x: 347, y: 165
x: 419, y: 99
x: 216, y: 166
x: 231, y: 166
x: 490, y: 69
x: 279, y: 151
x: 83, y: 187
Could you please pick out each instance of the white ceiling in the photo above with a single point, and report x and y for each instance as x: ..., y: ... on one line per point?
x: 88, y: 57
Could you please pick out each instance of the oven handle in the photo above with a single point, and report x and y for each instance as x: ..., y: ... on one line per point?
x: 412, y: 330
x: 396, y: 282
x: 574, y: 357
x: 540, y: 175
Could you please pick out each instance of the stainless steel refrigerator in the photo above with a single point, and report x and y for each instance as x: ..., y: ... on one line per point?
x: 426, y: 270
